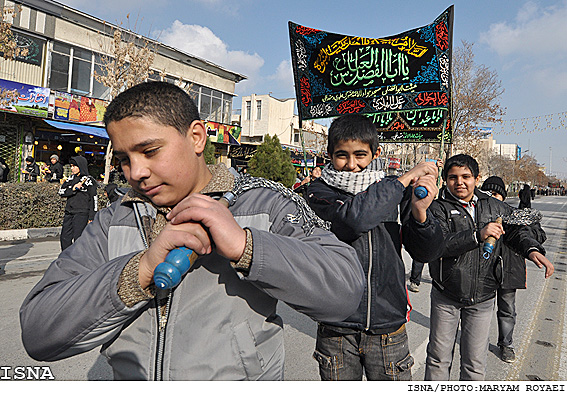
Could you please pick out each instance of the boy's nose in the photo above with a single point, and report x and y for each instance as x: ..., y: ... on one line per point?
x: 351, y: 163
x: 138, y: 171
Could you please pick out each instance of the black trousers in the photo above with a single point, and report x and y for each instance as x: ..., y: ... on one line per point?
x: 73, y: 226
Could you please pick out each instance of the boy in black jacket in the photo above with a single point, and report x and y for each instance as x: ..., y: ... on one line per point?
x: 513, y: 276
x: 365, y: 210
x: 80, y: 190
x: 465, y: 278
x: 31, y: 171
x: 55, y: 169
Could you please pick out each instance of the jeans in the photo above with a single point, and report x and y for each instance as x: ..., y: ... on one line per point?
x: 444, y: 324
x: 347, y: 356
x: 72, y: 228
x: 506, y: 301
x: 416, y: 270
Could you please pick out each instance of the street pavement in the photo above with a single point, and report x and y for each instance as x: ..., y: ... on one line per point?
x: 540, y: 334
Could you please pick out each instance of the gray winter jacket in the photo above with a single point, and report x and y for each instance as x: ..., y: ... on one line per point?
x: 221, y: 325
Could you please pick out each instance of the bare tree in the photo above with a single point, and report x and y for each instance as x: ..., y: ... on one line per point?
x: 476, y: 90
x: 9, y: 48
x: 125, y: 63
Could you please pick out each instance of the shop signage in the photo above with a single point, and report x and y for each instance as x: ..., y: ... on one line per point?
x: 32, y: 100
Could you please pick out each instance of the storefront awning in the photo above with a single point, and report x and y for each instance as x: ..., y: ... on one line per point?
x: 80, y: 128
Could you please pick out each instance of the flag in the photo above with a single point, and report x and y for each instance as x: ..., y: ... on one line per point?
x: 402, y: 82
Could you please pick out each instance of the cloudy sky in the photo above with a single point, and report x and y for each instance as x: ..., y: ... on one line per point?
x: 525, y: 42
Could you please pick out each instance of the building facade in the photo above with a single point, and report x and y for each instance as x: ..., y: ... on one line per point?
x: 65, y: 49
x: 264, y: 114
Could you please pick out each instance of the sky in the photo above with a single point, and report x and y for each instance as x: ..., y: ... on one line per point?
x: 525, y: 42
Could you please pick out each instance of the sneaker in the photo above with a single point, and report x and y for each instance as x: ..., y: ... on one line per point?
x: 414, y: 287
x: 507, y: 354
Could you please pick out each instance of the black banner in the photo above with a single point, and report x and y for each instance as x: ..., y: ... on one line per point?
x: 403, y: 82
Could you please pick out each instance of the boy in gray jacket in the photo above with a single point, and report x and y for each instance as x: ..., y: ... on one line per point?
x: 220, y: 323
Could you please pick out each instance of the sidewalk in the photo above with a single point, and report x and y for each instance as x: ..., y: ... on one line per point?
x: 34, y: 233
x: 30, y: 233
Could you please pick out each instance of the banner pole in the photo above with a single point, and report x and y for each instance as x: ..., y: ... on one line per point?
x: 306, y: 172
x: 442, y: 150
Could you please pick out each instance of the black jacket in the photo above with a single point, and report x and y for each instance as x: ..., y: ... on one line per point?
x: 525, y: 196
x: 32, y: 172
x: 369, y: 223
x: 84, y: 198
x: 514, y: 263
x: 56, y: 172
x: 462, y: 273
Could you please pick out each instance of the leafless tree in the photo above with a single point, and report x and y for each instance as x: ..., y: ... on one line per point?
x: 126, y: 62
x: 476, y: 91
x: 9, y: 48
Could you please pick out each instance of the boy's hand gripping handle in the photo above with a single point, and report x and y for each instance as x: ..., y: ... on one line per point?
x: 420, y: 192
x: 178, y: 261
x: 489, y: 243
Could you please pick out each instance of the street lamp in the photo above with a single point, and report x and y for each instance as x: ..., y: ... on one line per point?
x: 550, y: 151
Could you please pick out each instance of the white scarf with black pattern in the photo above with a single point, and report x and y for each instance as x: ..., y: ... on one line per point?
x: 353, y: 182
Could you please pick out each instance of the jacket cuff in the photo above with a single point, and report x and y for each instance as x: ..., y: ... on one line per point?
x: 243, y: 264
x: 535, y: 249
x: 129, y: 289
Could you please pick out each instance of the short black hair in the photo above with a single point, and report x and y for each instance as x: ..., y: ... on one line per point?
x: 461, y: 160
x: 163, y: 102
x: 352, y: 127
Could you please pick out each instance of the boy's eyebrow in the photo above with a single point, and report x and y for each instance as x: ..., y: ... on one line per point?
x: 355, y: 152
x: 141, y: 145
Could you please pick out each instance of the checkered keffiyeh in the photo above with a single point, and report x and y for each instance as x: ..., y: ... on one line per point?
x: 353, y: 182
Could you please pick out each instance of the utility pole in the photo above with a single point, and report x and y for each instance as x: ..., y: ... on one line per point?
x: 550, y: 150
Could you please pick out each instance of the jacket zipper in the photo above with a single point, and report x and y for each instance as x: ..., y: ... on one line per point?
x: 160, y: 343
x: 161, y: 318
x: 368, y: 284
x: 475, y: 266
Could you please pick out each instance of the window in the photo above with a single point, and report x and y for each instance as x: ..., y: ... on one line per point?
x: 227, y: 109
x: 99, y: 90
x: 248, y: 110
x: 258, y: 109
x: 59, y: 75
x: 81, y: 75
x: 205, y: 102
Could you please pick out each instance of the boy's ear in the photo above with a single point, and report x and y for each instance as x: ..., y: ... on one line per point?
x: 378, y: 152
x: 198, y: 132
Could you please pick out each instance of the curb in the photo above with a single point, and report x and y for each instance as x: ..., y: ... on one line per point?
x: 30, y: 233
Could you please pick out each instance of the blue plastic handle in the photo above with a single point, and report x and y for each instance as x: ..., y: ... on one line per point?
x: 488, y: 247
x: 168, y: 274
x: 420, y: 192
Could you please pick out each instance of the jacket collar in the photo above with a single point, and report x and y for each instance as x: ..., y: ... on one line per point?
x: 478, y: 195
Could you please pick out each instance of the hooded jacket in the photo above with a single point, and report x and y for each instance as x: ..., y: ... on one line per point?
x: 32, y: 170
x: 84, y: 198
x: 220, y: 324
x: 370, y: 222
x: 462, y: 273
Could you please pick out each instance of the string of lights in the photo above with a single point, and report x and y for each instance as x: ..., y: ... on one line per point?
x: 536, y: 124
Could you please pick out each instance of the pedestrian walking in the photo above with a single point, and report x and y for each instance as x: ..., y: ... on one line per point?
x: 80, y: 189
x: 525, y: 196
